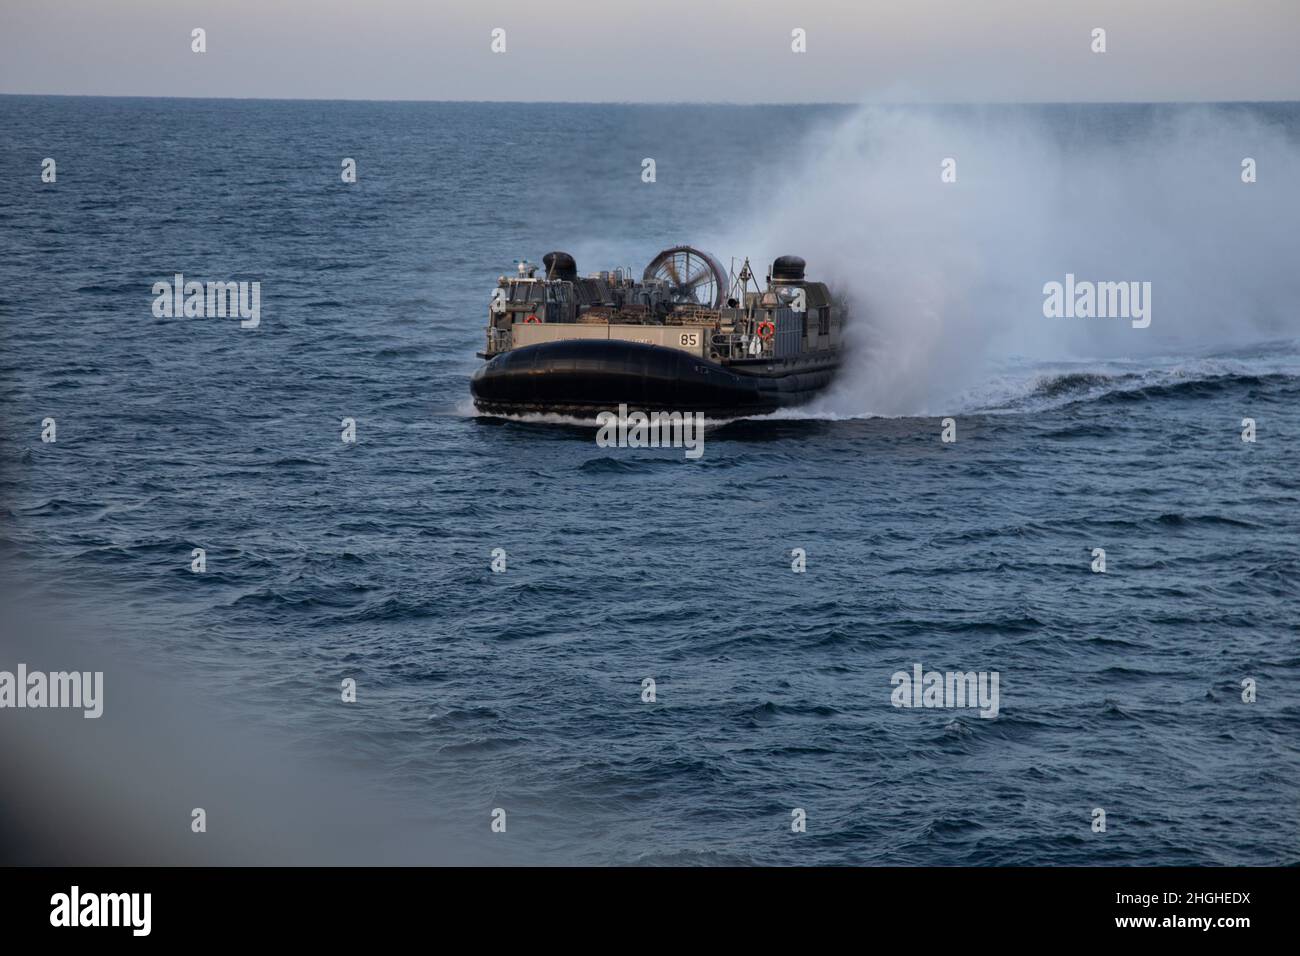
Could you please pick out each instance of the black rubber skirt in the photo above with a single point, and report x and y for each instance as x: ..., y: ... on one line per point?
x: 584, y: 376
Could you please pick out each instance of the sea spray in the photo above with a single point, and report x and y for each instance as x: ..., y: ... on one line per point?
x: 946, y: 277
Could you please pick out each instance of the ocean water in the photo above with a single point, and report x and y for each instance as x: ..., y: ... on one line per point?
x: 523, y: 689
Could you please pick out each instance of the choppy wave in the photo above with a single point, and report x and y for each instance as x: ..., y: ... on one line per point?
x: 1036, y: 387
x: 522, y: 687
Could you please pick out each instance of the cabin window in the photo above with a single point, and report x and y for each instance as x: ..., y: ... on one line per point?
x: 824, y: 320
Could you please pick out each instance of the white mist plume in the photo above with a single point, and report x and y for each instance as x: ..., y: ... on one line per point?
x: 946, y: 279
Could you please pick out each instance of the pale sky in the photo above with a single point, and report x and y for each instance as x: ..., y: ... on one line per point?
x: 657, y: 50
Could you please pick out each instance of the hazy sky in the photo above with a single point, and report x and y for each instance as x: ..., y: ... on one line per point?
x: 657, y: 50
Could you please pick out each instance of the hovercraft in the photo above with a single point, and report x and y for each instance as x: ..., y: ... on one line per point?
x: 687, y: 336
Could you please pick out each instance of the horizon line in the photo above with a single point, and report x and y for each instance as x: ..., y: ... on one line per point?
x: 844, y: 103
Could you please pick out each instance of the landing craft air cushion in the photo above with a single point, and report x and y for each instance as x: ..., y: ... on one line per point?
x: 685, y: 337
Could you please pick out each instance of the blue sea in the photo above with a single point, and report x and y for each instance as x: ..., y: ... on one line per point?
x: 523, y: 690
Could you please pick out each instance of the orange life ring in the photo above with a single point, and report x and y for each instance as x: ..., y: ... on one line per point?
x: 531, y: 320
x: 766, y: 330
